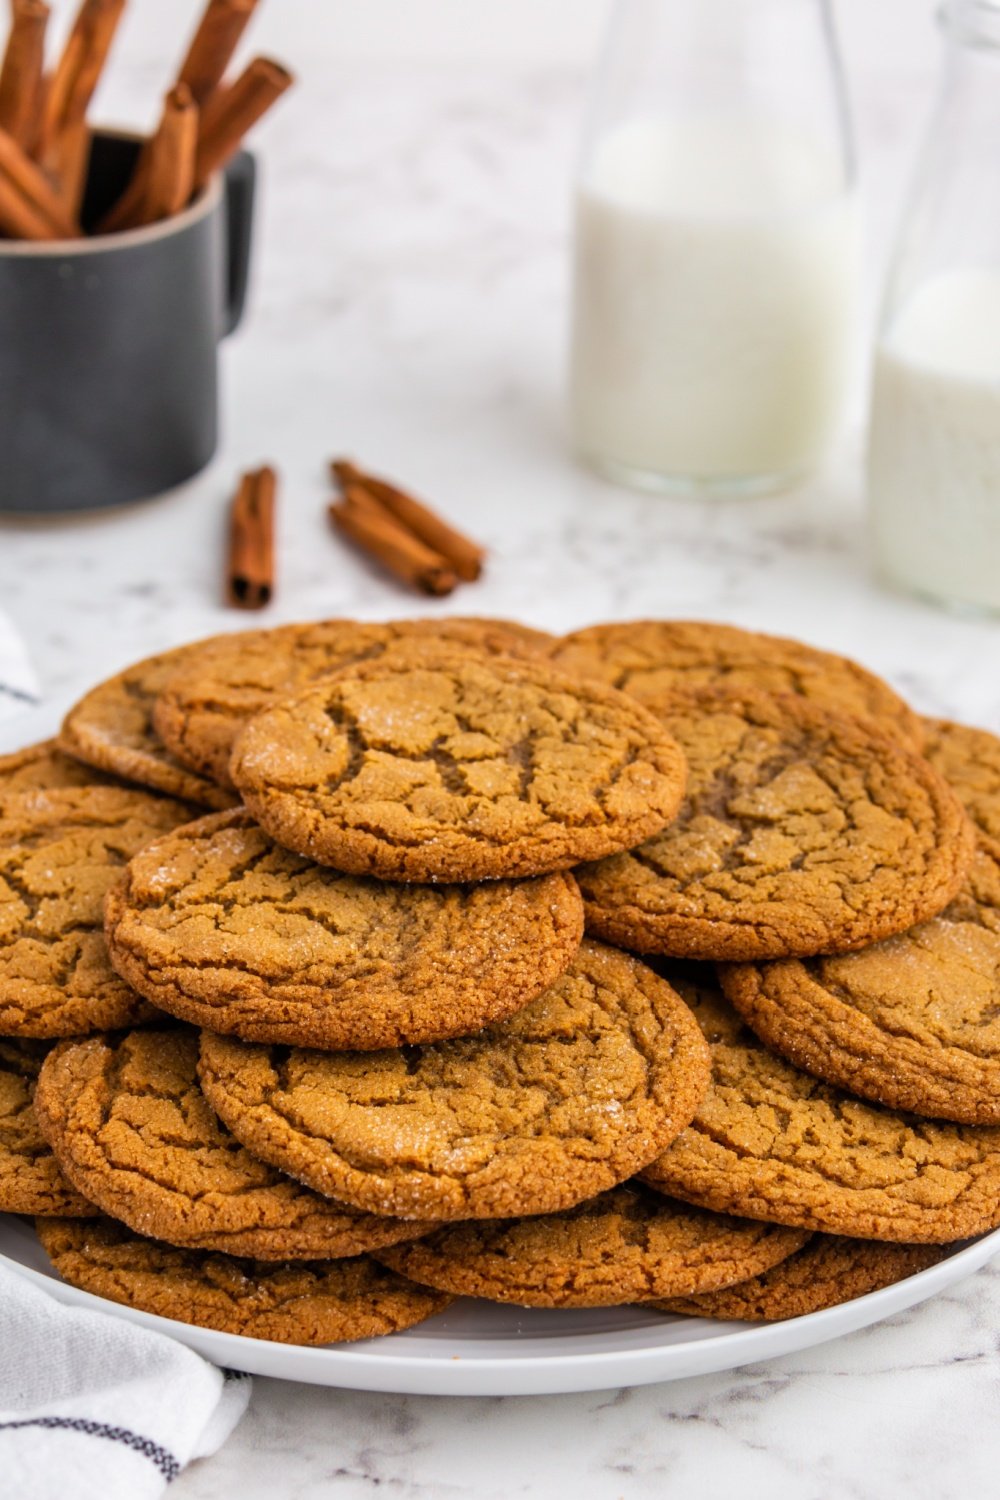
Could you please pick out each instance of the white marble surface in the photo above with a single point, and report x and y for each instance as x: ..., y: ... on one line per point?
x: 409, y: 308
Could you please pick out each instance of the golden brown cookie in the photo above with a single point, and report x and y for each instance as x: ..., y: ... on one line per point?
x: 828, y: 1271
x: 112, y: 728
x: 773, y: 1143
x: 969, y: 760
x: 220, y: 926
x: 131, y: 1130
x: 627, y: 1245
x: 912, y: 1023
x: 801, y: 833
x: 456, y: 767
x: 59, y: 852
x: 30, y: 1180
x: 199, y: 712
x: 654, y: 658
x: 307, y: 1302
x: 44, y: 767
x: 530, y: 1117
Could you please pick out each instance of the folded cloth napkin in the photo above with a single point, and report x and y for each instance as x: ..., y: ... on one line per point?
x: 18, y: 683
x: 95, y: 1408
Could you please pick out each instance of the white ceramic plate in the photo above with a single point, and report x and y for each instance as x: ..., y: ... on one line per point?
x: 477, y: 1349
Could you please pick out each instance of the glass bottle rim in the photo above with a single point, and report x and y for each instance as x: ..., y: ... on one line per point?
x: 975, y: 23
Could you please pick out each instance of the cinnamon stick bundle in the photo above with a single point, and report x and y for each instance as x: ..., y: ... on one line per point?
x: 250, y: 577
x: 362, y: 518
x: 163, y: 179
x: 464, y: 556
x: 230, y: 112
x: 213, y: 44
x: 22, y: 70
x: 29, y: 207
x: 64, y: 147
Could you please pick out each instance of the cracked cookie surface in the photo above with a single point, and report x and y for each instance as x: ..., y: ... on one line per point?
x: 30, y: 1180
x: 452, y: 767
x: 111, y: 727
x: 654, y: 658
x: 131, y: 1129
x: 222, y: 927
x: 774, y: 1143
x: 912, y: 1022
x: 800, y: 833
x: 627, y: 1245
x: 198, y: 713
x: 830, y: 1270
x: 307, y: 1302
x: 969, y: 760
x: 44, y: 767
x: 531, y: 1116
x: 59, y: 852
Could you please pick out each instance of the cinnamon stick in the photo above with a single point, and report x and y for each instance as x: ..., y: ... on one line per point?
x: 230, y: 112
x: 21, y: 70
x: 163, y: 179
x: 213, y: 44
x: 463, y: 555
x: 250, y: 579
x: 361, y: 517
x: 65, y: 143
x: 31, y: 210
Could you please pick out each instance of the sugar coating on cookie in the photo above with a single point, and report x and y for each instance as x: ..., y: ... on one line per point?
x: 651, y: 658
x: 220, y: 926
x: 531, y: 1116
x: 912, y: 1022
x: 629, y: 1244
x: 60, y: 850
x: 457, y: 767
x: 969, y: 760
x: 200, y: 709
x: 30, y: 1180
x: 801, y: 833
x: 131, y: 1129
x: 774, y: 1143
x: 830, y: 1270
x: 305, y: 1302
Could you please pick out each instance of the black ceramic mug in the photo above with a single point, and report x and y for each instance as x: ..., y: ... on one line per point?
x: 109, y: 345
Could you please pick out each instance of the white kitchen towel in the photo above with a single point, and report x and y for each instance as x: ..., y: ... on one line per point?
x: 18, y: 683
x: 95, y: 1408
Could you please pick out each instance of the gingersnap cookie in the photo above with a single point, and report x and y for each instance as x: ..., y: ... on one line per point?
x: 44, y: 767
x: 112, y: 728
x: 308, y: 1302
x: 800, y: 833
x: 131, y: 1129
x: 912, y: 1023
x: 59, y: 852
x: 771, y: 1142
x: 532, y: 1116
x: 969, y: 760
x: 219, y: 925
x: 30, y: 1180
x: 627, y: 1245
x: 455, y: 767
x: 198, y: 713
x: 828, y: 1271
x: 653, y: 659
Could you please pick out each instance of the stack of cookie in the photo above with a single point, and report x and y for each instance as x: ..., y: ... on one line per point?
x: 339, y: 1050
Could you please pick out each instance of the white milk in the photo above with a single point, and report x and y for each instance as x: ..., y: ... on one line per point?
x: 934, y: 456
x: 717, y: 277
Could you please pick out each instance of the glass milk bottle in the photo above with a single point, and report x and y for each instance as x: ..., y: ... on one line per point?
x: 717, y: 261
x: 934, y: 450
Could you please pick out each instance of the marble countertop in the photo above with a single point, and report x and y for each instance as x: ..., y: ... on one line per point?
x: 409, y: 308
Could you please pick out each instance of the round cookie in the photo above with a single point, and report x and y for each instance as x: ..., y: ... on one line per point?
x: 912, y: 1022
x: 456, y: 767
x: 44, y: 767
x: 828, y: 1271
x: 222, y: 927
x: 773, y: 1143
x: 30, y: 1180
x: 198, y: 713
x: 131, y: 1129
x: 530, y: 1117
x: 801, y: 833
x: 309, y: 1302
x: 969, y: 760
x: 59, y: 852
x: 654, y: 658
x: 112, y: 728
x: 628, y: 1245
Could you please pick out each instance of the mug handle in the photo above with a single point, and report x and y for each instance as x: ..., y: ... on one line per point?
x: 240, y: 185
